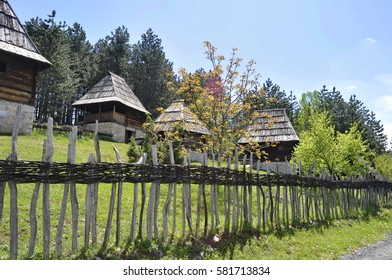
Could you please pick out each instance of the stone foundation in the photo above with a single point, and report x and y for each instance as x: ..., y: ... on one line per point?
x: 117, y: 132
x: 8, y: 114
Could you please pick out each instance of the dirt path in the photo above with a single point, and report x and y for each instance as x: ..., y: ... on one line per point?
x: 382, y: 250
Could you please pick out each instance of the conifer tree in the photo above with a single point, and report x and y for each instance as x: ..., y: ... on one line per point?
x: 57, y: 85
x: 151, y: 73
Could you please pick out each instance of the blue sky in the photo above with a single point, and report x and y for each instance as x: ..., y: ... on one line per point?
x: 301, y: 45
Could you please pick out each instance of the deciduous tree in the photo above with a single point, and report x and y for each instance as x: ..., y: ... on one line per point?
x: 222, y: 97
x: 337, y: 153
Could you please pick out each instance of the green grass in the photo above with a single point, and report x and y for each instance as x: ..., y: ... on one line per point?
x: 30, y: 148
x: 327, y: 240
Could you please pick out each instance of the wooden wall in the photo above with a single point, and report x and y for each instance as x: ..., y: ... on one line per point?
x: 18, y: 82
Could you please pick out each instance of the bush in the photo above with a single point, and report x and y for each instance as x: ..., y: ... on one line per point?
x: 135, y: 151
x: 383, y: 165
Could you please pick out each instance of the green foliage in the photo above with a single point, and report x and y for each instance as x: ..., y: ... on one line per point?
x: 56, y: 86
x: 343, y: 116
x: 383, y: 165
x: 273, y: 97
x: 112, y: 54
x: 135, y: 151
x: 222, y: 98
x: 151, y: 73
x: 340, y: 153
x: 152, y: 137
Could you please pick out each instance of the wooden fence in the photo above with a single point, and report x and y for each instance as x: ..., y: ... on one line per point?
x: 168, y: 200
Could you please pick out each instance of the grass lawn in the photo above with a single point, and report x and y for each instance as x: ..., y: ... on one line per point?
x: 317, y: 241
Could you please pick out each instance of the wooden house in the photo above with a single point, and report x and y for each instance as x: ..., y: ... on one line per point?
x: 275, y: 134
x: 178, y: 114
x: 20, y: 63
x: 119, y: 112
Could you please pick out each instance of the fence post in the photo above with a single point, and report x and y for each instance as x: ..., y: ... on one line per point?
x: 89, y: 206
x: 142, y: 160
x: 46, y: 192
x: 94, y: 187
x: 235, y: 196
x: 13, y: 188
x: 119, y: 198
x: 71, y: 160
x: 152, y: 199
x: 166, y: 207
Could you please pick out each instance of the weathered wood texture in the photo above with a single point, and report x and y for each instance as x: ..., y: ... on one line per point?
x: 17, y: 84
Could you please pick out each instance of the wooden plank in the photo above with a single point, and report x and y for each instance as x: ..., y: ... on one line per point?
x: 166, y: 206
x: 13, y: 219
x: 227, y: 198
x: 2, y: 190
x: 142, y: 160
x: 119, y: 201
x: 89, y: 208
x: 70, y: 159
x: 110, y: 216
x: 16, y: 92
x: 235, y: 195
x: 205, y: 231
x: 33, y: 209
x: 151, y: 202
x: 14, y: 98
x: 157, y: 195
x: 75, y: 216
x: 212, y: 199
x: 72, y: 187
x: 13, y: 189
x: 143, y: 202
x: 46, y: 192
x: 250, y: 191
x: 96, y: 143
x: 188, y: 203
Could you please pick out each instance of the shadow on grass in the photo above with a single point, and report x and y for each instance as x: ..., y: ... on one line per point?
x: 224, y: 246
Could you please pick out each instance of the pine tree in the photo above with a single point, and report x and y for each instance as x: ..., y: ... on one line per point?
x: 272, y: 97
x: 113, y: 54
x: 84, y: 66
x: 378, y: 141
x: 151, y: 73
x: 56, y: 85
x: 333, y: 102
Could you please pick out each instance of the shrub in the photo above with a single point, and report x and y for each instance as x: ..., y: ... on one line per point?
x: 383, y: 165
x: 135, y: 151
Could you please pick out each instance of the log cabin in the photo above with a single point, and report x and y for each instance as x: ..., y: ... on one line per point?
x: 20, y: 63
x: 274, y: 133
x: 178, y: 114
x: 119, y: 112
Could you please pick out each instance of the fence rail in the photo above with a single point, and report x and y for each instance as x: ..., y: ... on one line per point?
x: 186, y: 200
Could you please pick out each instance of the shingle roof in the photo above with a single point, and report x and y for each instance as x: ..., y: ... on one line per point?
x: 178, y: 112
x: 14, y: 38
x: 111, y: 88
x: 271, y: 125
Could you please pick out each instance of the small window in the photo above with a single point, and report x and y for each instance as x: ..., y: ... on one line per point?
x: 3, y: 67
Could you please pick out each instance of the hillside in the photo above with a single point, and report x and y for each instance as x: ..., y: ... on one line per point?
x: 30, y: 148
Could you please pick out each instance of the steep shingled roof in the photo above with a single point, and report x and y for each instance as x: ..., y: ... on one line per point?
x: 14, y: 38
x: 272, y: 125
x: 178, y: 112
x: 111, y: 88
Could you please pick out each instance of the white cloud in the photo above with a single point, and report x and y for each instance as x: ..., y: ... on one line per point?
x: 369, y: 41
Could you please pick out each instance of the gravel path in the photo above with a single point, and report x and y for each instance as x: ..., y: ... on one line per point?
x: 382, y: 250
